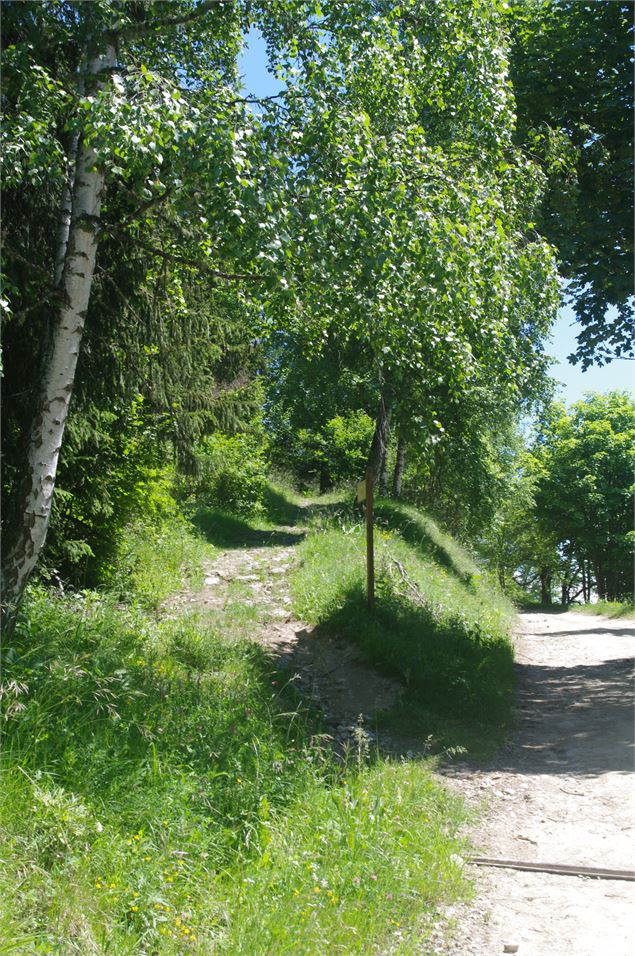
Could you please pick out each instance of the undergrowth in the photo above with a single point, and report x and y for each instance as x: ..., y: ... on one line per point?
x: 164, y: 792
x: 439, y: 625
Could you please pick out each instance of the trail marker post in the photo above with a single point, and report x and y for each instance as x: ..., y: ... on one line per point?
x: 370, y: 542
x: 365, y: 497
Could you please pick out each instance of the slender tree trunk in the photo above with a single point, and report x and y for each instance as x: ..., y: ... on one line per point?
x: 379, y: 443
x: 66, y: 211
x: 383, y: 468
x: 75, y: 265
x: 400, y: 466
x: 600, y: 583
x: 545, y: 587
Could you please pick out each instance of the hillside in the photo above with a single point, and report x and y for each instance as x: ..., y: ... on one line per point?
x: 178, y: 775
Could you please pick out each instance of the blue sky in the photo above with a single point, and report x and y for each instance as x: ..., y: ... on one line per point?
x: 573, y: 381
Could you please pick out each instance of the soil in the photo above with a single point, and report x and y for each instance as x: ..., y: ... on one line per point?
x: 559, y: 791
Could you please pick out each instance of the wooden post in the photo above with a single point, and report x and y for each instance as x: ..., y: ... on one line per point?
x: 370, y: 544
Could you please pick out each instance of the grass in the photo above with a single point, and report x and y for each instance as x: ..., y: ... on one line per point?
x: 439, y: 625
x: 155, y: 561
x: 613, y: 609
x: 163, y: 792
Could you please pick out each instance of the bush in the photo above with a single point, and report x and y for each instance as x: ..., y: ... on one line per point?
x: 232, y: 473
x: 337, y: 451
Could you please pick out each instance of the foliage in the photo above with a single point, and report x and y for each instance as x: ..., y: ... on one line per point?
x: 439, y: 625
x: 412, y: 251
x: 336, y: 452
x: 566, y: 519
x: 230, y: 473
x: 584, y: 461
x: 464, y: 471
x: 571, y: 67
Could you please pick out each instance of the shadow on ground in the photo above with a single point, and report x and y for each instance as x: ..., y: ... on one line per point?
x: 573, y: 720
x: 228, y: 531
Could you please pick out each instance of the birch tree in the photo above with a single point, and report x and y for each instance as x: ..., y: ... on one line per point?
x: 81, y: 123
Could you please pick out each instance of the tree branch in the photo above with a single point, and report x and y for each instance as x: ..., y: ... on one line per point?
x: 132, y: 31
x: 197, y: 264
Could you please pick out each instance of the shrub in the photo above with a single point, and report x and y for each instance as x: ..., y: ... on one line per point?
x: 232, y: 473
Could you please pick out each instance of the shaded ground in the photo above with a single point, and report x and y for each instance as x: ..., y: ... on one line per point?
x: 560, y: 791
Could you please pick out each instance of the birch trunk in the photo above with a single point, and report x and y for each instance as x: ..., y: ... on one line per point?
x: 75, y: 265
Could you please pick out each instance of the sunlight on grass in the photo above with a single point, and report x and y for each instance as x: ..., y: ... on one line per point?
x: 438, y: 625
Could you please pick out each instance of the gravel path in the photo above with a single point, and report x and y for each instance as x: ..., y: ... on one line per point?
x: 560, y: 791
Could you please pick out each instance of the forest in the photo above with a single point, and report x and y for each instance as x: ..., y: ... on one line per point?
x: 222, y: 311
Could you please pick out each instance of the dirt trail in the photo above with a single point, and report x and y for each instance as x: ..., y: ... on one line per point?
x: 560, y: 791
x: 327, y: 671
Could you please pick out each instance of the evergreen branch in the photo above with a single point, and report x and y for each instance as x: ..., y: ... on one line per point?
x: 197, y: 264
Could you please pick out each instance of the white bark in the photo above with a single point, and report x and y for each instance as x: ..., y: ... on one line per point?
x: 66, y: 212
x: 77, y: 266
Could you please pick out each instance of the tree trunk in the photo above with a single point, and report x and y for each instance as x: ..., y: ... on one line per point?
x: 66, y: 212
x: 545, y: 587
x: 325, y: 479
x: 75, y: 265
x: 379, y: 443
x: 383, y: 467
x: 400, y: 466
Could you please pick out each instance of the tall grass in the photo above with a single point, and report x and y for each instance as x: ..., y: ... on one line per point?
x: 163, y: 792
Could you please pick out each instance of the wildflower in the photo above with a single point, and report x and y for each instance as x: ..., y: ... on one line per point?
x: 135, y: 909
x: 316, y: 889
x: 356, y: 881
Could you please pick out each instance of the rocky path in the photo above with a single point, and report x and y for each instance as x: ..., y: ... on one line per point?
x: 561, y: 791
x: 327, y: 671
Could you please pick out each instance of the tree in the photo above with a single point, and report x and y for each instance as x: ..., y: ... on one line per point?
x: 573, y: 84
x: 584, y: 459
x: 99, y: 107
x: 409, y: 207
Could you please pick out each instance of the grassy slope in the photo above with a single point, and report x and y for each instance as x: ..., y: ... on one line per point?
x: 179, y: 801
x: 439, y: 625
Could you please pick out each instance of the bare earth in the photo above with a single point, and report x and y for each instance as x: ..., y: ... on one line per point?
x: 560, y: 790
